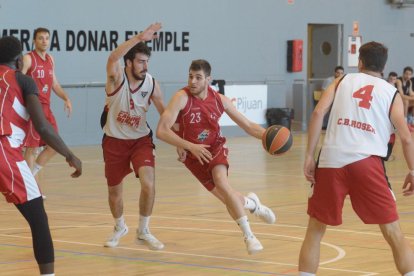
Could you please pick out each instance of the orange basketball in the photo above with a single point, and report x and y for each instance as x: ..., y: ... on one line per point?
x: 277, y: 139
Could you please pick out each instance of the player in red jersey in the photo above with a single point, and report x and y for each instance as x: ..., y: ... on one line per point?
x: 19, y: 96
x: 197, y: 109
x: 40, y: 66
x: 351, y: 158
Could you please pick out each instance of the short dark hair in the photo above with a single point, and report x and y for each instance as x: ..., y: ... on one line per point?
x: 408, y: 68
x: 373, y: 56
x: 10, y: 49
x: 201, y: 64
x: 40, y: 30
x: 141, y: 47
x: 392, y: 74
x: 339, y: 68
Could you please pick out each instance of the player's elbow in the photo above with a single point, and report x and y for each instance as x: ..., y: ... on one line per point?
x: 160, y: 133
x: 406, y: 140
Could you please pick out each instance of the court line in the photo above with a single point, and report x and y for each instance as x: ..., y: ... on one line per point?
x: 212, y: 220
x: 341, y: 252
x: 142, y: 259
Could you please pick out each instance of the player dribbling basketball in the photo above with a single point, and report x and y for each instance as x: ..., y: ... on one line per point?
x: 202, y: 148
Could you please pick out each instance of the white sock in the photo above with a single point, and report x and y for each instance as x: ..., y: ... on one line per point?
x: 306, y: 274
x: 120, y: 222
x: 411, y: 273
x: 53, y: 274
x: 36, y: 168
x: 244, y: 225
x: 249, y: 204
x: 143, y: 225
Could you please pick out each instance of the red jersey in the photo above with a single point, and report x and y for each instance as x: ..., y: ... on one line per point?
x: 199, y: 120
x: 41, y: 71
x: 14, y: 119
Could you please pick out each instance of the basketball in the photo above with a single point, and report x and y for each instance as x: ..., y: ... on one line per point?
x: 277, y: 139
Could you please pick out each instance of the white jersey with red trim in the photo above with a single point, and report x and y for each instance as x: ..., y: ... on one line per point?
x: 359, y: 124
x: 127, y: 110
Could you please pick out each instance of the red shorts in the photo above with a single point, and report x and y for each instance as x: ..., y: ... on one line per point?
x: 17, y: 183
x: 118, y: 154
x: 365, y: 182
x: 33, y: 139
x: 203, y: 172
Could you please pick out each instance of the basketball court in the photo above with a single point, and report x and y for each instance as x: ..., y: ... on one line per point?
x: 200, y: 237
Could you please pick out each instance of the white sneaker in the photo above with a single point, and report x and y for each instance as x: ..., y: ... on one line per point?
x: 262, y: 211
x: 253, y: 245
x: 149, y: 240
x: 118, y: 233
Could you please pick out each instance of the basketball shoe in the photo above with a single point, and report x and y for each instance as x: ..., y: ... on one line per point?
x: 253, y: 245
x: 149, y: 240
x: 262, y: 211
x: 118, y: 233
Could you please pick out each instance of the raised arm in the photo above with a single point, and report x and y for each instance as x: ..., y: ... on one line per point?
x: 248, y: 126
x: 113, y: 66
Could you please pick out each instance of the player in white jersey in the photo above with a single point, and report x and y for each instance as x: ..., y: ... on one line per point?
x: 365, y: 110
x: 128, y: 138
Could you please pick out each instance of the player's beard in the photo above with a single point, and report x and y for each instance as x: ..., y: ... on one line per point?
x: 198, y: 90
x: 140, y: 76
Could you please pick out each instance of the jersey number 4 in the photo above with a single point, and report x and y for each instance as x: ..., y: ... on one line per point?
x: 364, y: 94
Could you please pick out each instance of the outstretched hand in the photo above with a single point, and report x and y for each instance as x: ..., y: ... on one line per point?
x: 74, y: 162
x: 150, y: 32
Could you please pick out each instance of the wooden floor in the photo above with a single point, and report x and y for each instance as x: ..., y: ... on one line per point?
x: 199, y: 236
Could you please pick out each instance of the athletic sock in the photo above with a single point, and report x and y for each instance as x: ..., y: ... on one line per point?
x: 53, y: 274
x: 249, y: 204
x: 244, y: 225
x: 120, y: 222
x: 36, y: 168
x: 306, y: 274
x: 143, y: 224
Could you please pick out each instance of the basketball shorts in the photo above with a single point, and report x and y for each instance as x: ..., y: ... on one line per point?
x: 17, y: 183
x: 119, y: 154
x: 33, y: 139
x: 203, y: 172
x: 366, y: 183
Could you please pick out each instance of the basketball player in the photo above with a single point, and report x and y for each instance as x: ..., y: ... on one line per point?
x: 197, y: 109
x: 392, y: 78
x: 365, y: 110
x: 128, y: 138
x: 405, y: 89
x: 19, y: 97
x: 40, y: 66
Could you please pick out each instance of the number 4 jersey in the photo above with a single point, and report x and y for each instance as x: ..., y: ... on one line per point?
x: 359, y: 123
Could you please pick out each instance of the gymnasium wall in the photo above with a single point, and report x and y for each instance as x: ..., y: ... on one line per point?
x: 244, y: 40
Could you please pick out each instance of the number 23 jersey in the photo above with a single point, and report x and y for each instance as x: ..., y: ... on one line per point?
x: 359, y: 125
x: 199, y: 120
